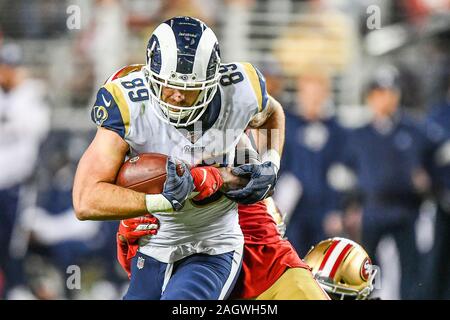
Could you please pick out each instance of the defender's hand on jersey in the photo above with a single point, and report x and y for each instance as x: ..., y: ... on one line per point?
x: 263, y: 178
x: 177, y: 188
x: 130, y: 230
x: 207, y: 181
x: 128, y: 235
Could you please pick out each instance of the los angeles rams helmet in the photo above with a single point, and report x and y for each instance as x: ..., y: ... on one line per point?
x: 182, y: 53
x: 342, y: 268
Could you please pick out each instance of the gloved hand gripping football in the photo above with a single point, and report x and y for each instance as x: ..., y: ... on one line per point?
x: 263, y: 178
x: 177, y: 188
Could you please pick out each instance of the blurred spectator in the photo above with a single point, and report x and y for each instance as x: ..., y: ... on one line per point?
x: 98, y: 51
x: 33, y: 19
x: 56, y: 235
x: 275, y: 79
x: 313, y: 143
x: 144, y: 17
x: 148, y: 15
x: 194, y: 8
x: 389, y: 157
x: 418, y: 10
x: 439, y: 124
x: 234, y: 42
x: 109, y: 39
x: 435, y: 75
x: 24, y: 122
x: 322, y: 38
x: 352, y: 212
x: 81, y: 81
x: 312, y: 50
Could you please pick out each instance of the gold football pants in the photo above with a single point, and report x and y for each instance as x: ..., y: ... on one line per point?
x: 295, y: 284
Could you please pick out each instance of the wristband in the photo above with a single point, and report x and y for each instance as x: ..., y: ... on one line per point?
x: 273, y: 156
x: 157, y: 203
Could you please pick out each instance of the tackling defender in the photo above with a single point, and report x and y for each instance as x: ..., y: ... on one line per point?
x: 343, y: 268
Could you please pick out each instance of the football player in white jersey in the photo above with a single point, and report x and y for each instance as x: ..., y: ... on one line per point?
x: 184, y: 103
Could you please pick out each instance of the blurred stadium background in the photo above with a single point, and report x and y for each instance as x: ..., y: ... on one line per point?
x: 346, y: 41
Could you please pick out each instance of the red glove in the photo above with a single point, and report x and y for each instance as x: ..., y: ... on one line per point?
x: 130, y: 230
x: 122, y: 256
x: 207, y: 181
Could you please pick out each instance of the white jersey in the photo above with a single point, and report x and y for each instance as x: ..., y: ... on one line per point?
x: 210, y: 227
x: 24, y: 124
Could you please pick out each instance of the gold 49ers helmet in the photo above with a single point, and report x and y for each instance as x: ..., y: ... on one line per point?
x: 343, y: 268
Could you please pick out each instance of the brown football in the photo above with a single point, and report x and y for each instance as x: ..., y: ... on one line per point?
x: 145, y: 173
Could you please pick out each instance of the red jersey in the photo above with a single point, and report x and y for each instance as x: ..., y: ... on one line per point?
x: 257, y: 224
x: 266, y: 254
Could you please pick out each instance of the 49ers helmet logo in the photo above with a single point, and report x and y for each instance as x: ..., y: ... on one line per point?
x: 366, y: 268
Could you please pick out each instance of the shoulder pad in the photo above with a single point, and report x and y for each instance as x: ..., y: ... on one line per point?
x: 124, y: 71
x: 111, y: 110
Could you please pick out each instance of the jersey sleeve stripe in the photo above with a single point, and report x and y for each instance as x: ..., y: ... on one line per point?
x: 254, y: 80
x: 262, y: 84
x: 121, y: 103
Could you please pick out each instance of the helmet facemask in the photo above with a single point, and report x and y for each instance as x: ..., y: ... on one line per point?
x: 182, y: 116
x: 343, y: 291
